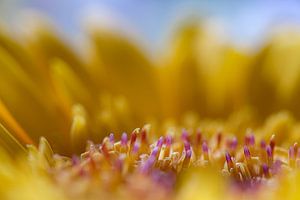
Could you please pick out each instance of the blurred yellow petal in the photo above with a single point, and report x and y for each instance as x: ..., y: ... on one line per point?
x: 8, y: 119
x: 127, y: 71
x: 79, y: 128
x: 9, y: 143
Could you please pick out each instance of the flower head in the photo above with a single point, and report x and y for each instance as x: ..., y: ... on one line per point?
x: 68, y: 125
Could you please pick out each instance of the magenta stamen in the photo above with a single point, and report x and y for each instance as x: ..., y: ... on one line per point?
x: 228, y: 157
x: 265, y: 169
x: 276, y: 167
x: 228, y: 160
x: 263, y: 144
x: 188, y: 153
x: 269, y: 151
x: 204, y: 147
x: 124, y: 139
x: 160, y: 142
x: 133, y: 138
x: 247, y: 152
x: 249, y: 140
x: 233, y: 143
x: 185, y: 135
x: 154, y: 152
x: 168, y: 140
x: 136, y: 147
x: 75, y: 160
x: 111, y: 138
x: 151, y: 161
x: 187, y: 146
x: 147, y: 165
x: 252, y: 140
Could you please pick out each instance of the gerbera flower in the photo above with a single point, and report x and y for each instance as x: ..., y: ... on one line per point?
x: 209, y: 133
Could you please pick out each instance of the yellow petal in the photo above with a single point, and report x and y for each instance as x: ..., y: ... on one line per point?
x: 7, y: 118
x: 46, y: 151
x: 79, y: 128
x: 9, y: 142
x: 126, y: 71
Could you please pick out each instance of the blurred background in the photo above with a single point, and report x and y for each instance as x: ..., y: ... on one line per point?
x: 91, y: 67
x: 244, y: 22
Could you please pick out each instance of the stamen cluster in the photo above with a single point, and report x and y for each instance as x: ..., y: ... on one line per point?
x: 247, y: 163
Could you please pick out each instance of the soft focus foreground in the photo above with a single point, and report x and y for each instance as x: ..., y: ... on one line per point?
x: 217, y: 129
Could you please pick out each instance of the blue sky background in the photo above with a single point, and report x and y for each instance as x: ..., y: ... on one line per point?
x: 245, y: 21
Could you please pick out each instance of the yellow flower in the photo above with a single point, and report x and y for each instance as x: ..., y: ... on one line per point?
x: 213, y: 133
